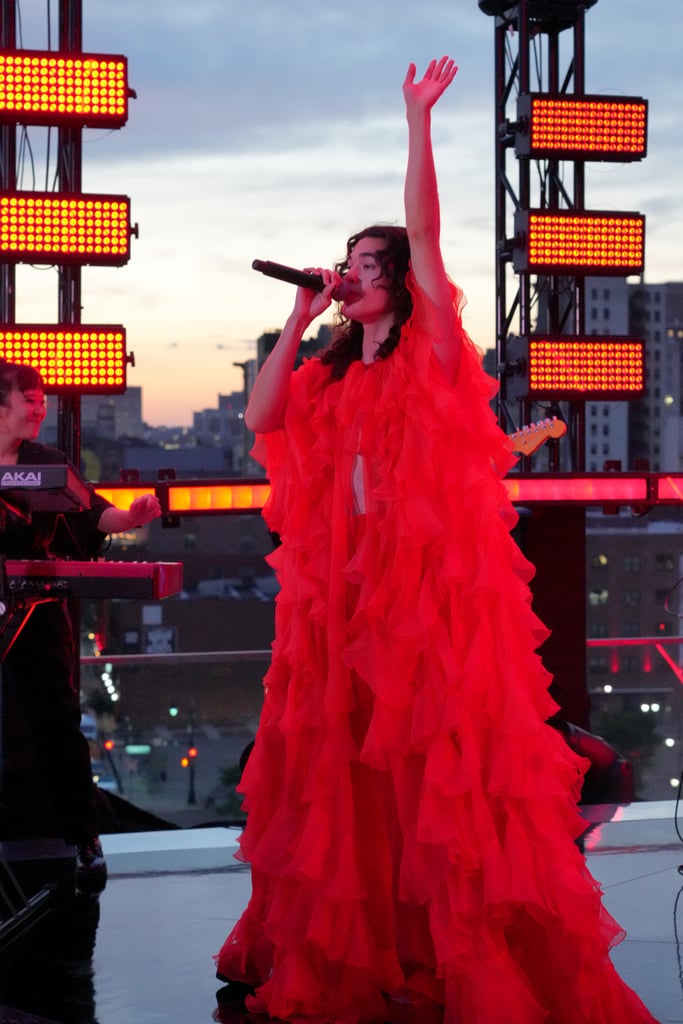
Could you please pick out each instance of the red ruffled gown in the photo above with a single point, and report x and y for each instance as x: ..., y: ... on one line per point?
x: 411, y: 817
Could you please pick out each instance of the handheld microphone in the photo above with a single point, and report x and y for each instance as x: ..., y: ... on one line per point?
x: 302, y: 279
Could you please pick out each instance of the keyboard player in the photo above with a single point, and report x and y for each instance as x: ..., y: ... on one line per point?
x: 41, y: 736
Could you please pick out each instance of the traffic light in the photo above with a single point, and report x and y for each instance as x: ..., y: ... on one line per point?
x: 188, y: 759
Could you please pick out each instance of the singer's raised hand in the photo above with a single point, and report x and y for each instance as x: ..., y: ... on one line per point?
x: 423, y: 218
x: 424, y: 94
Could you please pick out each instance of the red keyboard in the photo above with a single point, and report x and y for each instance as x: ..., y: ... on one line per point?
x: 64, y: 578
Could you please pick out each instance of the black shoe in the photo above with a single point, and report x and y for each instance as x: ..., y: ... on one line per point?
x: 91, y: 867
x: 234, y: 992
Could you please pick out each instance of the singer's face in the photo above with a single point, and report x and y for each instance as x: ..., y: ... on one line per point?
x: 22, y: 416
x: 371, y: 298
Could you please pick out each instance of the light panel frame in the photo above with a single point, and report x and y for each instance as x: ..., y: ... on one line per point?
x: 71, y: 358
x: 588, y: 127
x: 247, y: 496
x: 586, y: 242
x: 577, y: 368
x: 47, y: 87
x: 58, y: 227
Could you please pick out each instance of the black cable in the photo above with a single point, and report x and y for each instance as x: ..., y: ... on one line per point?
x: 678, y: 831
x: 677, y: 939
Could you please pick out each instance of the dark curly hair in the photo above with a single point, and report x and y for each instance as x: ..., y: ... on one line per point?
x: 18, y: 377
x: 394, y: 260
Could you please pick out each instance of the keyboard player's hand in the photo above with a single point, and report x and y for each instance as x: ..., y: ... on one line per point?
x: 144, y: 509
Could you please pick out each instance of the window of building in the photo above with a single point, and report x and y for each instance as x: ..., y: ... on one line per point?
x: 597, y: 630
x: 631, y: 597
x: 631, y: 701
x: 600, y: 561
x: 665, y: 562
x: 631, y: 563
x: 598, y: 597
x: 630, y: 627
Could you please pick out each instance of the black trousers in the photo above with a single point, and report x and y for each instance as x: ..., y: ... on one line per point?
x: 46, y: 786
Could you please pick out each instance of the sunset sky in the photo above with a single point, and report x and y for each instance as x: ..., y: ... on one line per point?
x: 274, y: 129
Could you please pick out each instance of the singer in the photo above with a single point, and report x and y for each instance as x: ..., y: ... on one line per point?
x: 411, y: 816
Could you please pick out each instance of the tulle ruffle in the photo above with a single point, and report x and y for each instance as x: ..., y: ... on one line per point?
x: 410, y: 814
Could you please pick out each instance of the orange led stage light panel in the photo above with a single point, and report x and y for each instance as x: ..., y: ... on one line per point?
x: 609, y: 489
x: 581, y: 127
x: 579, y: 242
x: 583, y: 368
x: 211, y: 497
x: 50, y: 88
x: 88, y: 359
x: 123, y: 495
x: 192, y: 498
x: 670, y: 489
x: 52, y: 227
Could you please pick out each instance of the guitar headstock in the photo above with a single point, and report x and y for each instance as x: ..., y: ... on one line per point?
x: 526, y: 440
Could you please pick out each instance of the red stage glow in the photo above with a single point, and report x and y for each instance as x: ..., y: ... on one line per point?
x: 598, y: 489
x: 670, y: 489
